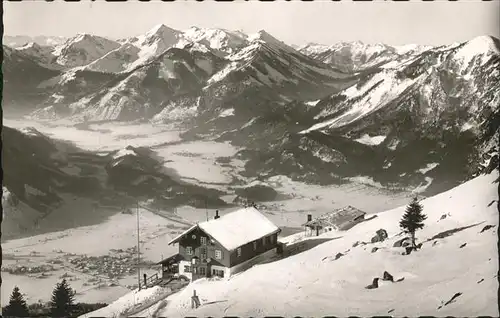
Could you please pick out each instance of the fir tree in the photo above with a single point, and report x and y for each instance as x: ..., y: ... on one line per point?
x: 62, y: 300
x: 17, y: 305
x: 413, y: 219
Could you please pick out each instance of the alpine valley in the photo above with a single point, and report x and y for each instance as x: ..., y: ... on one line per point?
x: 241, y: 110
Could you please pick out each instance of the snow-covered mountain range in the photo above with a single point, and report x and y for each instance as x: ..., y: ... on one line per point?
x: 22, y: 40
x: 306, y: 110
x: 356, y: 56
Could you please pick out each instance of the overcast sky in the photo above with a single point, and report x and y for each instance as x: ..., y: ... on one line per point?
x: 433, y: 23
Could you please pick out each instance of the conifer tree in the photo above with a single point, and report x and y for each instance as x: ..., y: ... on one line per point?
x: 62, y: 300
x: 17, y: 305
x: 413, y: 219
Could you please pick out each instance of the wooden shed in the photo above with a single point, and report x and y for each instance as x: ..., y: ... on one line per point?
x: 340, y: 219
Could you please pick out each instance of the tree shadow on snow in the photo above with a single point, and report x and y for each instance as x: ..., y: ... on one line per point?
x: 447, y: 233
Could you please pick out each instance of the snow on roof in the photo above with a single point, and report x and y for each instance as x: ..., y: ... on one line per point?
x: 337, y: 217
x: 236, y: 228
x: 124, y: 152
x: 171, y: 259
x: 178, y: 237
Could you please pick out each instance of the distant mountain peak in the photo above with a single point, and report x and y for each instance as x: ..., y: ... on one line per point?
x: 29, y: 45
x: 83, y: 49
x: 83, y: 35
x: 218, y: 39
x: 263, y: 36
x: 483, y: 43
x: 161, y: 29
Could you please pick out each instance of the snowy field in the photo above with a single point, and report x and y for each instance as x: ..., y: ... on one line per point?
x: 461, y: 264
x: 302, y: 199
x: 102, y: 136
x: 196, y: 162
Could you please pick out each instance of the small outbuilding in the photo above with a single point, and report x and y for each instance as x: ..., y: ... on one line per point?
x: 340, y: 219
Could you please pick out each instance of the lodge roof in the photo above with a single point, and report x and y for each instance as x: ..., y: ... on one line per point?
x: 337, y: 217
x: 171, y: 259
x: 235, y: 229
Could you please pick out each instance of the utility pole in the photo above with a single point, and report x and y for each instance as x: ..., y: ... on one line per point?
x: 206, y: 209
x: 138, y: 252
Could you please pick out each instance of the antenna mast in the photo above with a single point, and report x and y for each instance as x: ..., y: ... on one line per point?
x: 138, y: 252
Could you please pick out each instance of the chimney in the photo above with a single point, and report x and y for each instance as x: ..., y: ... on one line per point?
x: 216, y: 215
x: 309, y: 217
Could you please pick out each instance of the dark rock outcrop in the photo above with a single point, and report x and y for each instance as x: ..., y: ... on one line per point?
x: 487, y: 227
x: 374, y: 284
x: 339, y: 255
x: 388, y: 277
x: 402, y: 242
x: 408, y: 250
x: 381, y: 235
x: 259, y: 193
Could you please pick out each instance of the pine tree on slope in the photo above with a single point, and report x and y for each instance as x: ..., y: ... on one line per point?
x: 413, y: 219
x: 17, y: 305
x: 62, y: 300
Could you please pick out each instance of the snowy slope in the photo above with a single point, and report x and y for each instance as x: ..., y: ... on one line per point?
x: 83, y: 49
x: 456, y: 71
x: 116, y: 60
x: 172, y: 80
x: 41, y: 54
x: 369, y: 97
x: 358, y: 56
x: 138, y: 51
x: 21, y: 79
x: 318, y: 282
x: 467, y: 53
x: 218, y: 39
x: 314, y: 283
x: 267, y: 70
x: 153, y: 43
x: 268, y: 58
x: 435, y: 107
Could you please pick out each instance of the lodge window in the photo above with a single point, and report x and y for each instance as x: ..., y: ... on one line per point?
x: 238, y: 252
x: 203, y: 271
x: 255, y: 245
x: 203, y: 240
x: 189, y: 250
x: 187, y: 269
x: 203, y: 254
x: 217, y: 272
x: 218, y: 254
